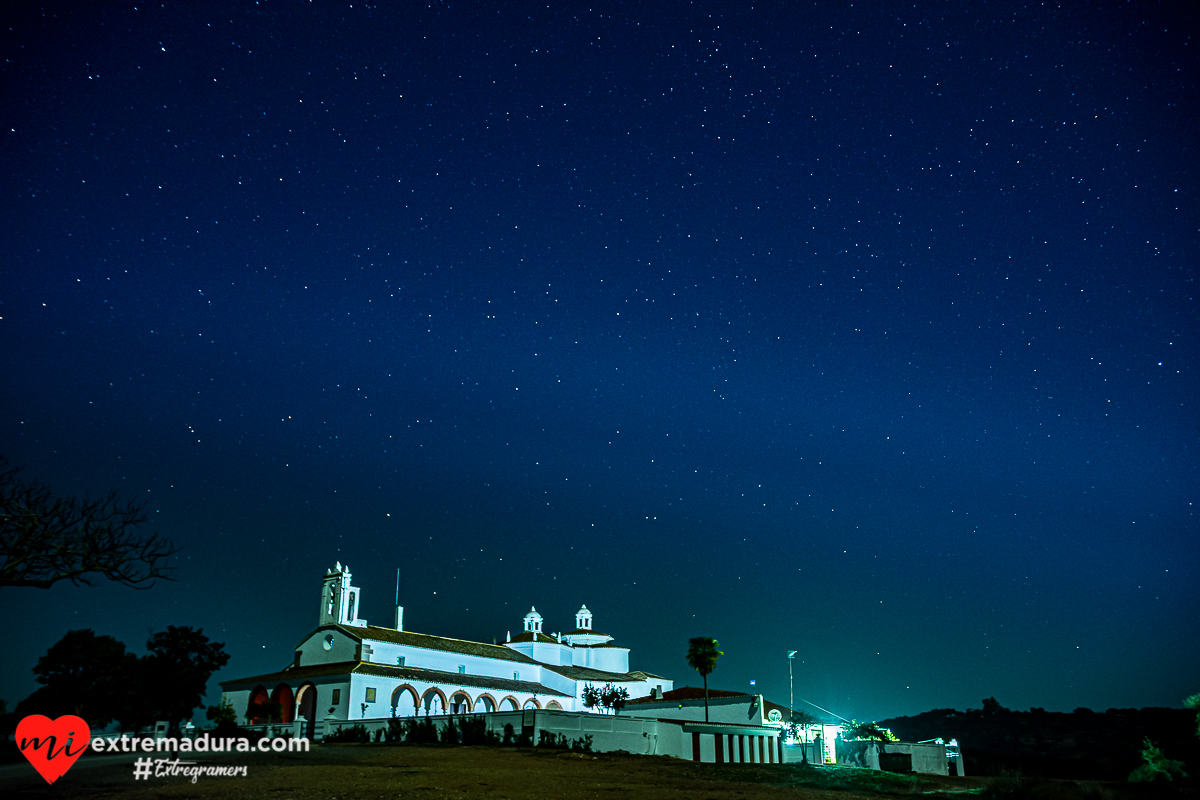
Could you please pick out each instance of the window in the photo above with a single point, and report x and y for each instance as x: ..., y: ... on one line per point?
x: 371, y: 694
x: 462, y: 669
x: 516, y: 676
x: 399, y: 661
x: 337, y: 696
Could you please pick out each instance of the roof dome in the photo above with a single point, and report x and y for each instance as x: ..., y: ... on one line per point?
x: 533, y: 621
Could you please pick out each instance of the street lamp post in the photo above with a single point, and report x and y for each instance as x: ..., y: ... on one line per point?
x: 791, y: 691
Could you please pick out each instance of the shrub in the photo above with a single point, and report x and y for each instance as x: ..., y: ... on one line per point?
x: 421, y: 731
x: 395, y: 730
x: 475, y: 731
x: 349, y: 733
x: 1156, y: 766
x: 1008, y: 786
x: 450, y: 732
x: 559, y: 741
x: 222, y: 714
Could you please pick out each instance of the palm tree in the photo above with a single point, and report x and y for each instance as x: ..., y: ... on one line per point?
x: 702, y: 656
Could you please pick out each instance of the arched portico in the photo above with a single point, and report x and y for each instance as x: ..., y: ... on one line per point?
x: 306, y: 706
x: 509, y: 704
x: 257, y: 698
x: 287, y: 702
x: 404, y: 701
x: 553, y: 704
x: 532, y: 703
x: 485, y: 703
x: 460, y: 703
x: 434, y: 702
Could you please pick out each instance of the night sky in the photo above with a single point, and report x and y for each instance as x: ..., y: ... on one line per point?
x: 861, y: 330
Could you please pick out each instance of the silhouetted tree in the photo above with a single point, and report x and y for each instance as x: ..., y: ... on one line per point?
x: 614, y: 697
x: 799, y: 726
x: 226, y: 717
x: 992, y: 706
x: 137, y: 703
x: 45, y: 539
x: 866, y: 731
x: 591, y: 696
x: 702, y: 656
x: 180, y: 662
x: 610, y: 697
x: 861, y: 735
x: 81, y: 674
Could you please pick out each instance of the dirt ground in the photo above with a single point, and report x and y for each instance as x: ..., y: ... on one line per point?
x: 358, y: 772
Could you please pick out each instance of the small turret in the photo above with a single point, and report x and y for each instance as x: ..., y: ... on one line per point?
x: 533, y: 621
x: 583, y: 619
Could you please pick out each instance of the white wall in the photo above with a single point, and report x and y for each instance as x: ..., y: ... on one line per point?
x: 313, y: 650
x: 384, y: 687
x: 386, y: 653
x: 928, y: 758
x: 744, y: 710
x: 609, y: 659
x: 610, y: 733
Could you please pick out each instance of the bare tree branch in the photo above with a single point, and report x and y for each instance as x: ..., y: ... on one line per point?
x: 45, y: 539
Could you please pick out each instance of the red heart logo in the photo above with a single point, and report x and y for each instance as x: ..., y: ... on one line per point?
x: 53, y: 745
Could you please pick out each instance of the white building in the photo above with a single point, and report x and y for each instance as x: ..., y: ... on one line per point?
x: 346, y: 669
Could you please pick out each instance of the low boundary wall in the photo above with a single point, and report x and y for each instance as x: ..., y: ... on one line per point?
x: 686, y: 739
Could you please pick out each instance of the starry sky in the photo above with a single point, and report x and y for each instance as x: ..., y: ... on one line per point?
x: 862, y: 330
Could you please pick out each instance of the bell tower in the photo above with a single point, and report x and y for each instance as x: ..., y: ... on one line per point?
x: 340, y: 599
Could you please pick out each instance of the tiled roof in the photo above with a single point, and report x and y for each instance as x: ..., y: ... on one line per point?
x: 534, y: 637
x: 722, y: 727
x: 589, y: 674
x: 602, y: 644
x: 585, y: 632
x: 299, y: 673
x: 440, y: 643
x: 457, y: 679
x: 688, y: 693
x: 450, y: 679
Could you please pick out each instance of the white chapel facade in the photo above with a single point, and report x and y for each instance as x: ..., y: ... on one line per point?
x: 346, y: 669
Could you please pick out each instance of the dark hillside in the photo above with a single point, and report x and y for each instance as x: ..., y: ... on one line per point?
x: 1081, y: 744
